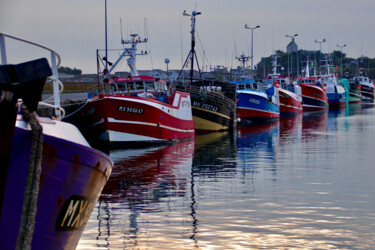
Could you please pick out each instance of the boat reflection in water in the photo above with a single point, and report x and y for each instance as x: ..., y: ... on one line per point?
x: 212, y: 150
x: 143, y: 184
x: 291, y: 129
x: 258, y: 146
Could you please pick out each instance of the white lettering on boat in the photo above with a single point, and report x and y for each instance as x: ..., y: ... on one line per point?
x: 254, y: 101
x: 130, y: 110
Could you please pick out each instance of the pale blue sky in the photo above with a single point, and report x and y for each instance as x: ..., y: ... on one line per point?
x: 75, y: 28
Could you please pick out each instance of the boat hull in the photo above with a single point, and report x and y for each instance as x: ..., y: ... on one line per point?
x: 209, y: 117
x: 336, y: 100
x: 255, y: 107
x: 72, y: 178
x: 354, y: 95
x: 314, y: 98
x: 289, y: 104
x: 131, y: 119
x: 367, y: 93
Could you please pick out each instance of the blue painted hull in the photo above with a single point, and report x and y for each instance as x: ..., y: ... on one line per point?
x: 254, y: 106
x: 336, y: 99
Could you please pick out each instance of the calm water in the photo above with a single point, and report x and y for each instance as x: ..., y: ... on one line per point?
x: 306, y: 182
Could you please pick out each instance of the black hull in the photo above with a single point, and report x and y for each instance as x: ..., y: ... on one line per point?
x: 212, y: 110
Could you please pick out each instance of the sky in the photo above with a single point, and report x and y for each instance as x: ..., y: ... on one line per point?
x: 76, y: 28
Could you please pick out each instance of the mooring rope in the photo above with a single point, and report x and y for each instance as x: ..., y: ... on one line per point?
x: 25, y: 235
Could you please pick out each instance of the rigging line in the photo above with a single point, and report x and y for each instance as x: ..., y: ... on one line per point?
x: 182, y: 55
x: 204, y: 52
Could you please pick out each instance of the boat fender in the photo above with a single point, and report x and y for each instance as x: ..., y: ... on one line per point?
x: 169, y: 100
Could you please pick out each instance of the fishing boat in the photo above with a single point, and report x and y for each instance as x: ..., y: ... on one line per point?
x: 213, y: 102
x: 290, y: 95
x: 314, y: 97
x: 136, y: 109
x: 366, y: 86
x: 256, y: 102
x: 50, y: 176
x: 334, y: 90
x: 213, y: 105
x: 353, y: 90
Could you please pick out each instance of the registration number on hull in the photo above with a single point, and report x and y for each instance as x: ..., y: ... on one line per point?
x: 130, y: 110
x: 205, y: 106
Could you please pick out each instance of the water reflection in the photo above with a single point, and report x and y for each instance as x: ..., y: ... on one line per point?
x: 304, y: 182
x: 143, y: 181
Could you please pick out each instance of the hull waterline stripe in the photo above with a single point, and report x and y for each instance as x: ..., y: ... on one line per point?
x: 260, y: 110
x: 112, y: 120
x: 288, y: 106
x: 213, y: 112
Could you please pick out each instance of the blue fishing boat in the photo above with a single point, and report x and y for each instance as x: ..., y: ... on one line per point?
x: 257, y: 102
x: 50, y: 177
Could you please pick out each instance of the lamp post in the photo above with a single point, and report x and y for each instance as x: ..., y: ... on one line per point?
x: 342, y: 46
x: 252, y: 31
x: 291, y: 57
x: 320, y: 50
x: 166, y: 62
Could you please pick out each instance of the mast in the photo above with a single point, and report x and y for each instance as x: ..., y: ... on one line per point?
x: 274, y: 65
x: 192, y: 52
x: 243, y: 59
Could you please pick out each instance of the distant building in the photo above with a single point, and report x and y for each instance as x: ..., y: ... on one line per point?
x: 292, y: 47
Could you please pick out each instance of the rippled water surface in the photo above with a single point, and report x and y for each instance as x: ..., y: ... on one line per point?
x: 305, y: 182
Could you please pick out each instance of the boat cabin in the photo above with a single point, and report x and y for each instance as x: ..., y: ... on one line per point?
x: 307, y: 80
x: 361, y: 79
x: 246, y: 85
x: 273, y: 80
x: 137, y: 85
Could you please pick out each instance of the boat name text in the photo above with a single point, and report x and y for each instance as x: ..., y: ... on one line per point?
x: 254, y: 101
x: 317, y: 94
x: 205, y: 106
x: 130, y: 110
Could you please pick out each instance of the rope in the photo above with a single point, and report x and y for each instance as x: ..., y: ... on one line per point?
x: 26, y: 231
x: 66, y: 116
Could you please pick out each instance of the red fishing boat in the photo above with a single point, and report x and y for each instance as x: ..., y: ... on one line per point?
x: 289, y: 94
x: 135, y: 109
x: 313, y: 94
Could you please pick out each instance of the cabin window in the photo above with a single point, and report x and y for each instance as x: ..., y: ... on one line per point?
x: 121, y: 87
x: 113, y: 88
x: 241, y: 86
x: 160, y: 86
x: 130, y: 86
x: 139, y: 85
x: 150, y: 86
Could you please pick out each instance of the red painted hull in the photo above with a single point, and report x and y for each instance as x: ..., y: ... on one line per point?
x: 289, y: 104
x: 117, y: 118
x: 252, y: 113
x: 314, y: 98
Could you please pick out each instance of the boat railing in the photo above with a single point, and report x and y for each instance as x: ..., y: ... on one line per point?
x: 107, y: 89
x: 55, y: 63
x: 214, y: 97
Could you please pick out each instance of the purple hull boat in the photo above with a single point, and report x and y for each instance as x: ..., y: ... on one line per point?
x: 49, y: 180
x: 71, y: 181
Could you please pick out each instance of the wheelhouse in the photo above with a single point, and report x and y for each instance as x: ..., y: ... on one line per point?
x: 138, y: 85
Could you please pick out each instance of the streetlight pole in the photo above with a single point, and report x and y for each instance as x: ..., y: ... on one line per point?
x: 320, y: 50
x: 291, y: 57
x: 252, y: 31
x: 342, y: 46
x: 166, y: 62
